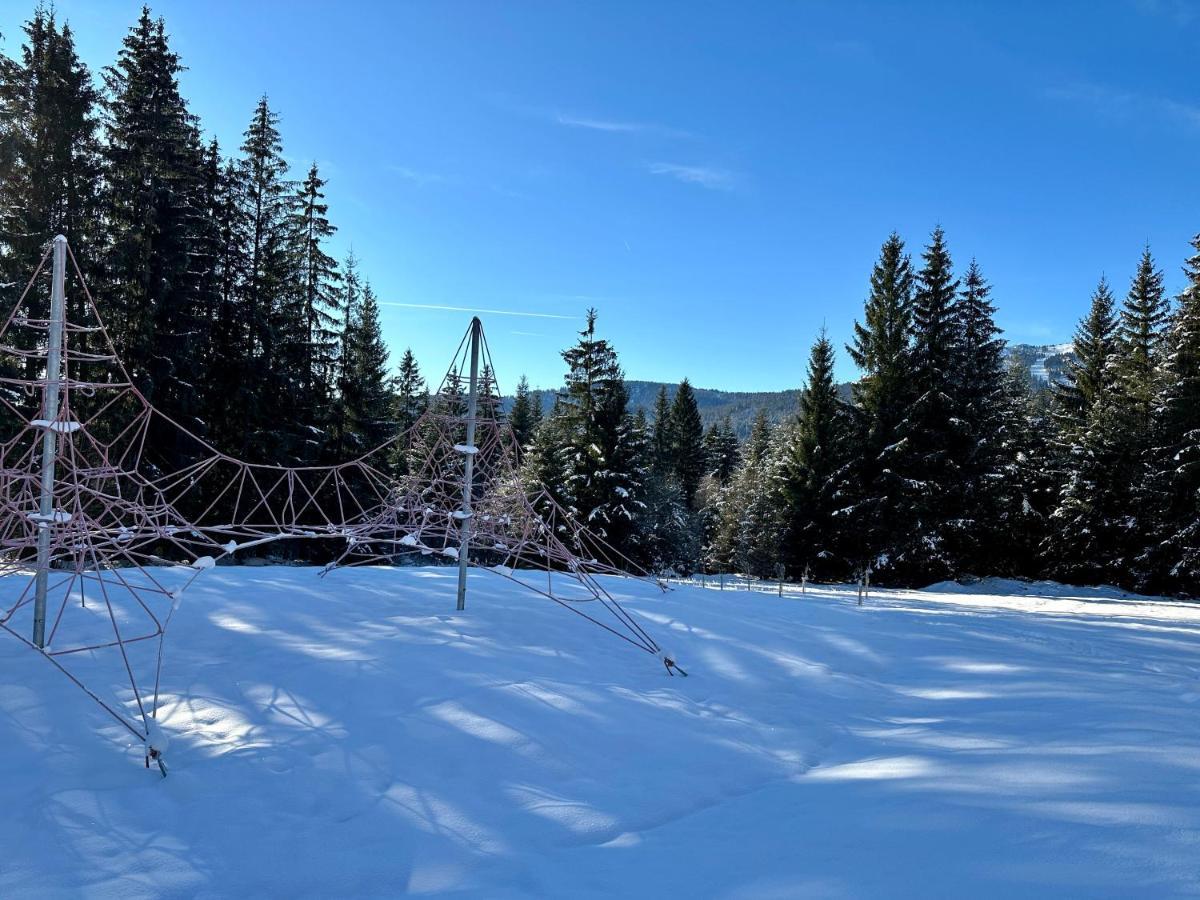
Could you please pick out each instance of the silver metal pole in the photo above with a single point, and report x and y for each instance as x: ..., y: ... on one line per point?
x: 469, y: 466
x: 50, y: 394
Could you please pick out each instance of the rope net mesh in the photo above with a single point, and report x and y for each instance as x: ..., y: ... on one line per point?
x: 118, y: 514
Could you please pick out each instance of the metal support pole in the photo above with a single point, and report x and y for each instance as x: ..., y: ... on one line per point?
x: 50, y: 393
x: 469, y: 466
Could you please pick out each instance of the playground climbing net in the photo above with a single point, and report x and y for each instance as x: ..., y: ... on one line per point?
x: 91, y: 519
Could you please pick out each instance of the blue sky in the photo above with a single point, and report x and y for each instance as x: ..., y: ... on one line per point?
x: 715, y: 178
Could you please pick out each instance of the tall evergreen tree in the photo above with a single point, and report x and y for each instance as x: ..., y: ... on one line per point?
x: 722, y: 451
x: 1088, y: 530
x: 662, y: 458
x: 687, y: 442
x: 584, y: 452
x: 319, y: 296
x: 1172, y: 559
x: 880, y: 349
x: 50, y: 153
x: 1091, y: 375
x: 1140, y: 334
x: 366, y: 395
x: 927, y: 457
x: 985, y: 421
x: 812, y: 459
x: 521, y: 418
x: 411, y: 399
x: 154, y: 201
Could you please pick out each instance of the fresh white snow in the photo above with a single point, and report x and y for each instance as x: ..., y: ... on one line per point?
x: 353, y: 736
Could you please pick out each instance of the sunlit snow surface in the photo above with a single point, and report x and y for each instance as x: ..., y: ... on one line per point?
x: 353, y: 736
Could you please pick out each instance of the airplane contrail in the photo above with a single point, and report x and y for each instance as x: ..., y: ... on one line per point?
x: 472, y: 309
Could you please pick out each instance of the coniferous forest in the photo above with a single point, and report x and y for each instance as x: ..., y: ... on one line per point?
x: 211, y: 266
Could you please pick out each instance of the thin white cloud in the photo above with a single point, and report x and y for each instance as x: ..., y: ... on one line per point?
x: 617, y: 126
x: 472, y: 309
x: 1123, y: 105
x: 705, y: 176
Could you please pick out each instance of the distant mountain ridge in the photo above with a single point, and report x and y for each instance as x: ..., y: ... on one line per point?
x: 1045, y: 363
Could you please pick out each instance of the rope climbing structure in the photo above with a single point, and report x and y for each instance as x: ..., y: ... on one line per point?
x: 90, y: 518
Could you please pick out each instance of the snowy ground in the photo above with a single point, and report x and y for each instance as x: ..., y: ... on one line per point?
x: 353, y: 736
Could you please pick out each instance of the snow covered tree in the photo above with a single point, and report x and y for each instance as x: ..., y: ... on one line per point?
x: 1091, y: 377
x: 1140, y: 335
x: 928, y: 489
x: 584, y: 453
x: 985, y: 422
x: 722, y: 452
x: 1089, y: 524
x: 1172, y: 559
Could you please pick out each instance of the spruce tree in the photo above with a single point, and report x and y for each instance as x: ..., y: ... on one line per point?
x: 1140, y: 336
x: 154, y: 202
x: 410, y: 399
x: 319, y: 296
x: 1090, y: 376
x: 584, y: 455
x: 662, y: 458
x: 985, y: 421
x: 812, y: 458
x: 1172, y: 559
x: 926, y: 459
x: 50, y: 153
x: 1088, y: 539
x: 880, y: 348
x: 521, y: 418
x: 721, y: 450
x: 366, y: 395
x: 687, y: 443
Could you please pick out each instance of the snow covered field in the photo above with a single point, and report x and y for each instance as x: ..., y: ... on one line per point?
x: 353, y: 736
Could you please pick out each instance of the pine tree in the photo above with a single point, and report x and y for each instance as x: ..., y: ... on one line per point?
x: 812, y: 458
x: 154, y: 202
x: 351, y: 306
x: 1090, y: 521
x: 319, y: 295
x: 411, y: 399
x: 1172, y: 558
x: 687, y: 443
x: 662, y: 458
x: 1090, y: 376
x: 874, y: 514
x: 926, y: 459
x: 986, y: 414
x: 758, y: 505
x: 584, y: 454
x: 365, y: 393
x: 521, y: 419
x: 1140, y: 335
x: 721, y: 450
x: 50, y: 154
